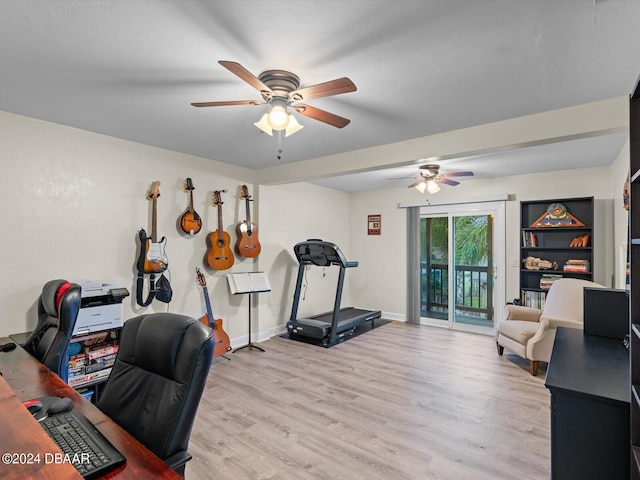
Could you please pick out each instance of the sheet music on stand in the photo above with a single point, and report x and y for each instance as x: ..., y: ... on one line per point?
x: 248, y: 283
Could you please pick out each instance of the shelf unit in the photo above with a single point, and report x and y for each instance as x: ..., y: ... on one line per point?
x: 634, y: 232
x: 552, y: 244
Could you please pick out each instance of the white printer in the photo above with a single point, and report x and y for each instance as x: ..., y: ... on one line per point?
x: 100, y: 307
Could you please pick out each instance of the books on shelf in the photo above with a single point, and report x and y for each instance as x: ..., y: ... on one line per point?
x: 533, y: 298
x: 577, y: 266
x: 547, y: 279
x: 530, y: 239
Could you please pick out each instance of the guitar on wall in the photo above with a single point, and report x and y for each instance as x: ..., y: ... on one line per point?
x: 155, y: 258
x: 190, y: 221
x: 247, y: 244
x: 221, y: 343
x: 220, y: 255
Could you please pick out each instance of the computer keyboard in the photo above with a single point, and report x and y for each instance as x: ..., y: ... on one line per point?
x: 82, y: 443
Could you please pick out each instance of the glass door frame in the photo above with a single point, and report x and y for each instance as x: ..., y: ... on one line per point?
x: 497, y: 210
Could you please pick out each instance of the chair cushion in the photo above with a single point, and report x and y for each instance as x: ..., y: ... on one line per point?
x: 518, y: 330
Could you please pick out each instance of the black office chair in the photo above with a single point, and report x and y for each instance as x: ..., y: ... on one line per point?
x: 58, y: 308
x: 157, y: 381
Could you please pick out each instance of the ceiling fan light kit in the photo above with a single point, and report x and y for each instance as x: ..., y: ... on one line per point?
x: 280, y: 89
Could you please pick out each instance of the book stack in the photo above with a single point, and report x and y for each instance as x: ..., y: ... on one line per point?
x: 547, y: 279
x: 577, y: 266
x: 92, y: 356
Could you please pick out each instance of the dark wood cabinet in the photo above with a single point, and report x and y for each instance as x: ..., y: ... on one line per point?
x: 588, y: 377
x: 554, y: 244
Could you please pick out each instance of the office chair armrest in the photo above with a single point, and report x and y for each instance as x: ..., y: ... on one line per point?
x: 177, y: 461
x: 518, y: 312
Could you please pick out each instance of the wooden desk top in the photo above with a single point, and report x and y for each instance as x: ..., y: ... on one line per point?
x: 25, y: 378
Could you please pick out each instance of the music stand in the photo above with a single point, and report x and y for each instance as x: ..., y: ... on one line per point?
x: 248, y: 283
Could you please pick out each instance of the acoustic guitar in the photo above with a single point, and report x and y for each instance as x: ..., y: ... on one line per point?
x: 221, y: 343
x: 247, y: 244
x: 155, y: 258
x: 190, y: 221
x: 220, y: 255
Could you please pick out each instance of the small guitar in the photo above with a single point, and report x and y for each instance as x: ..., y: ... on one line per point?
x: 155, y: 259
x: 221, y: 343
x: 190, y: 221
x: 247, y: 244
x: 220, y: 255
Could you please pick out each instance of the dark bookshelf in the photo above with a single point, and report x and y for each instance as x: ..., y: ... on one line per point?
x: 552, y: 243
x: 634, y: 247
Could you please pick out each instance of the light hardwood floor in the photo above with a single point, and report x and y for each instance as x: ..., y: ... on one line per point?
x: 400, y: 402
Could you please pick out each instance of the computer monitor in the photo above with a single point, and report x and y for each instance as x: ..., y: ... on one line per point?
x: 606, y: 312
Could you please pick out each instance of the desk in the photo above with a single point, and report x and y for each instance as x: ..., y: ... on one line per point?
x: 27, y: 379
x: 588, y: 377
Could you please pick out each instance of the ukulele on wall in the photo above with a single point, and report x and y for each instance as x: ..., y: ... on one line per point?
x: 220, y: 255
x: 190, y: 221
x: 155, y: 258
x: 247, y: 244
x: 221, y: 343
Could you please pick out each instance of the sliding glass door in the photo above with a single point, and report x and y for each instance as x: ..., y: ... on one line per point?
x: 459, y: 266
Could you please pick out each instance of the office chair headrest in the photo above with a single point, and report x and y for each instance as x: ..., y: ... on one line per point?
x: 52, y: 294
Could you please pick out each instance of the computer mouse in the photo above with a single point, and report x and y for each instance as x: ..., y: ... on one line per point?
x: 34, y: 406
x: 60, y: 406
x: 7, y: 347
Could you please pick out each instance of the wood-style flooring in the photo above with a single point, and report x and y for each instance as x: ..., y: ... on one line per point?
x: 400, y: 402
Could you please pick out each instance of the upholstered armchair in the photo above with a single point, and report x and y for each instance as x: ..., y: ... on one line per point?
x: 530, y: 332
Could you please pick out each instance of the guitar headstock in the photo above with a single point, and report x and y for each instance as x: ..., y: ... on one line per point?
x: 217, y: 197
x: 201, y: 280
x: 154, y: 190
x: 244, y: 192
x: 188, y: 184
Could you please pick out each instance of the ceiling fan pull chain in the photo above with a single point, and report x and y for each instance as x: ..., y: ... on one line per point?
x: 279, y: 156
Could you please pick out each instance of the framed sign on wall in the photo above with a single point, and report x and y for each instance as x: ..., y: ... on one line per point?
x: 374, y: 224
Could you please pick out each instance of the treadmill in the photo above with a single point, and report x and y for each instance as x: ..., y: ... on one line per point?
x: 341, y: 322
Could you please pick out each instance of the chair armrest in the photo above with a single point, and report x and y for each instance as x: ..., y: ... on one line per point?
x: 560, y: 322
x: 177, y: 460
x: 518, y: 312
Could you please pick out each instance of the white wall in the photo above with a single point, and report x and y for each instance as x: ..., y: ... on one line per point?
x: 290, y: 214
x: 380, y: 281
x: 619, y: 172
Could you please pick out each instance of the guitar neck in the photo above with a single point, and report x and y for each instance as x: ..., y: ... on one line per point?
x: 248, y: 216
x: 220, y: 230
x: 208, y: 304
x: 191, y: 209
x: 154, y: 228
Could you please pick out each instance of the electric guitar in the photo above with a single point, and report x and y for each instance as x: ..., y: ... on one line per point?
x: 247, y: 244
x: 190, y: 221
x: 221, y: 344
x: 220, y: 255
x: 155, y: 258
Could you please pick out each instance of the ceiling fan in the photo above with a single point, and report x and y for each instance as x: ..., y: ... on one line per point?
x: 281, y: 89
x: 430, y: 176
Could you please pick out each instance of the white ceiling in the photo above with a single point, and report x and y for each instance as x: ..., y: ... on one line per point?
x: 130, y: 69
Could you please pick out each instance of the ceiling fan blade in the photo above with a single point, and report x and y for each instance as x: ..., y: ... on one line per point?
x: 453, y: 183
x: 321, y: 115
x: 457, y: 174
x: 224, y: 104
x: 415, y: 184
x: 332, y: 87
x: 245, y: 75
x: 402, y: 178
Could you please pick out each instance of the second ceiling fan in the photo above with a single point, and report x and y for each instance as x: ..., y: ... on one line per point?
x: 430, y: 176
x: 281, y: 89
